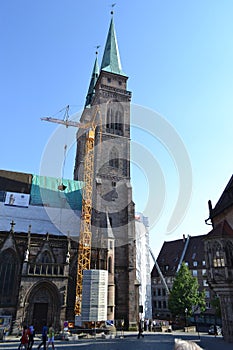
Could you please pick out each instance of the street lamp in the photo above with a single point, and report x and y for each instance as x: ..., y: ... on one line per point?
x: 186, y: 311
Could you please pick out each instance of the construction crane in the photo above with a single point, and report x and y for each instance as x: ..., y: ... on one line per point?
x: 84, y: 248
x: 160, y: 272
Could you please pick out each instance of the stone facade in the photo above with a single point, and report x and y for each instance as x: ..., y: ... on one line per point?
x: 109, y: 112
x: 37, y: 275
x: 219, y: 256
x: 112, y: 192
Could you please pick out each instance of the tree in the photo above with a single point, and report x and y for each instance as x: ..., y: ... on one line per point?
x: 185, y: 296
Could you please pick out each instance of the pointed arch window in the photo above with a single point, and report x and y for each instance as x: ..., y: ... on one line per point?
x: 114, y: 158
x: 45, y: 257
x: 109, y: 117
x: 119, y: 123
x: 114, y: 120
x: 9, y: 267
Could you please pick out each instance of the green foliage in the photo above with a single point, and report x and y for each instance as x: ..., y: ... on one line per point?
x: 185, y: 294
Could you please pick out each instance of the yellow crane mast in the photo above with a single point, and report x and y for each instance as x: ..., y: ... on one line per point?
x: 84, y: 248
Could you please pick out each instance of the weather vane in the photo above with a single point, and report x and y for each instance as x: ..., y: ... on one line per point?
x: 112, y: 7
x: 97, y: 47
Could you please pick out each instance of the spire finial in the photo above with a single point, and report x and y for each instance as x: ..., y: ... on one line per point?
x: 12, y: 225
x: 97, y: 47
x: 112, y: 12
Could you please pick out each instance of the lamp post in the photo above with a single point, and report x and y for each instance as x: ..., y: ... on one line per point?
x: 186, y: 311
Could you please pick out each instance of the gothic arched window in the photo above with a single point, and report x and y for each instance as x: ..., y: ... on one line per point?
x: 108, y: 121
x: 114, y: 120
x: 9, y: 267
x: 45, y: 257
x: 118, y: 122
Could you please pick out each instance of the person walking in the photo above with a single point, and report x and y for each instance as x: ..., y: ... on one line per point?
x: 140, y: 330
x: 44, y: 337
x: 50, y: 336
x: 215, y: 330
x: 31, y: 334
x: 24, y: 339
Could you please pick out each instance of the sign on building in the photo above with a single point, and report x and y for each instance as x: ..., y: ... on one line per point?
x: 17, y: 199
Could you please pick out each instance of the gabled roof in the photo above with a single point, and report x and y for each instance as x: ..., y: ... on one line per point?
x: 171, y: 252
x: 111, y: 59
x: 225, y: 201
x: 222, y: 230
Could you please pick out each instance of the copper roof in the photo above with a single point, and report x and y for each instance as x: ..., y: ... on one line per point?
x: 111, y: 58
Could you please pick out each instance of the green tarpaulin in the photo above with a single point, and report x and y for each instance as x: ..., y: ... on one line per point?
x: 45, y: 191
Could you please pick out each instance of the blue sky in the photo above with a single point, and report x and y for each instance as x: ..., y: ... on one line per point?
x: 178, y: 56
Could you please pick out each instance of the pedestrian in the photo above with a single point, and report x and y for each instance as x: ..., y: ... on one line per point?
x: 31, y: 334
x: 4, y: 334
x: 215, y: 330
x: 50, y: 336
x: 140, y: 330
x: 44, y: 337
x: 153, y: 325
x: 24, y: 339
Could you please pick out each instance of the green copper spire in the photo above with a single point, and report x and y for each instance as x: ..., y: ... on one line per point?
x: 111, y: 58
x: 94, y: 77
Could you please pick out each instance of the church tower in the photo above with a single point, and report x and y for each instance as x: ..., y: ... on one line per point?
x: 112, y: 205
